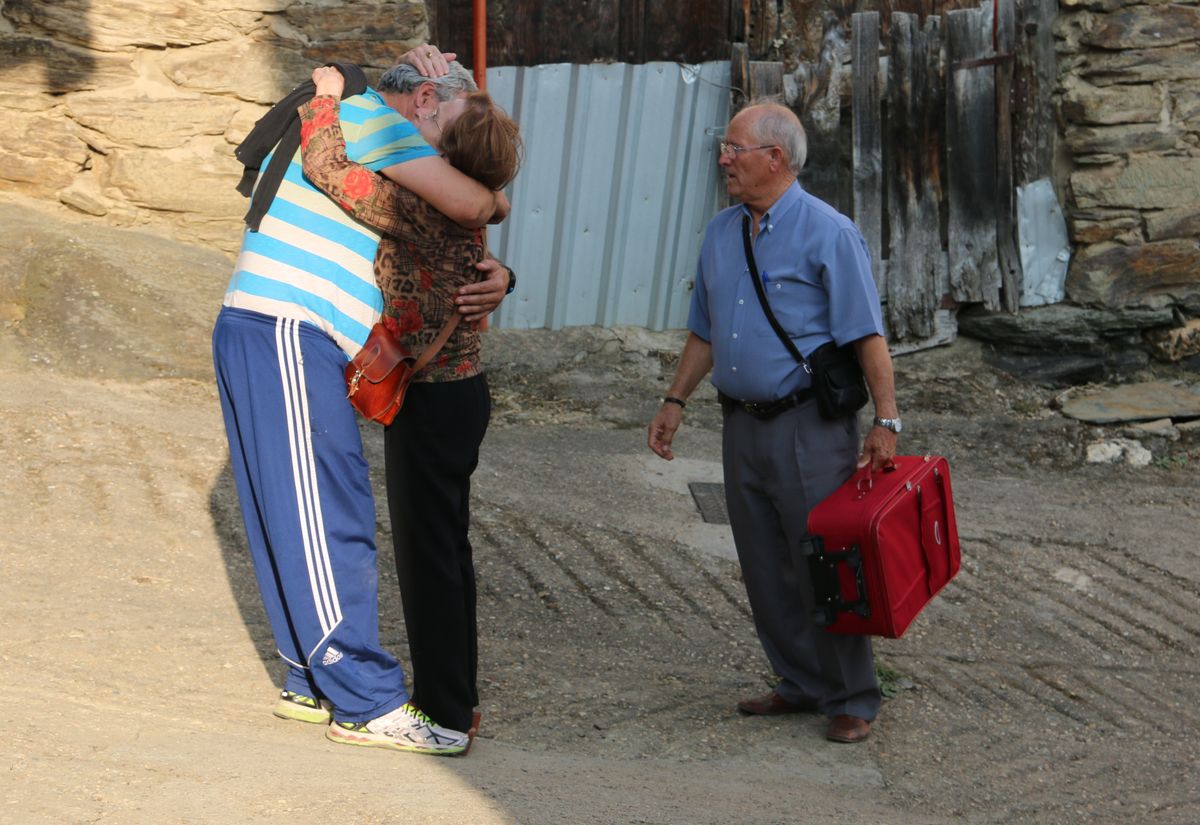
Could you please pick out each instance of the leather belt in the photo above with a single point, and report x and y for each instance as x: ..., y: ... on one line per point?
x: 765, y: 409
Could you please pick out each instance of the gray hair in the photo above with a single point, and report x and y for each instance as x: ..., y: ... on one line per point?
x: 404, y: 79
x: 779, y: 125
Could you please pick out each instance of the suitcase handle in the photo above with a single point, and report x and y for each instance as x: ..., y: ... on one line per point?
x: 888, y: 467
x: 827, y: 584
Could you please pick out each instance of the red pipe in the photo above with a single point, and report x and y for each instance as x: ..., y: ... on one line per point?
x: 479, y: 41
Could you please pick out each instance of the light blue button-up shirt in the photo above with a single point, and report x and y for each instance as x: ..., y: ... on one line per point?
x: 815, y: 267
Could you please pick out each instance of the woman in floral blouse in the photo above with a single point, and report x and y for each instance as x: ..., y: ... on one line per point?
x: 432, y: 447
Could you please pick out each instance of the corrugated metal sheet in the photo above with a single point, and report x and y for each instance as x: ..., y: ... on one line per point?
x: 620, y: 179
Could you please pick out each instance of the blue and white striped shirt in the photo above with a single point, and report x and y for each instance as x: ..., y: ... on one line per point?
x: 310, y: 260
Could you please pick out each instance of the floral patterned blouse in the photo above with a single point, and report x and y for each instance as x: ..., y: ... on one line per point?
x: 423, y: 257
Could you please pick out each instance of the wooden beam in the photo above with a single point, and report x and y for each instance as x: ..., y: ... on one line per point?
x: 867, y: 146
x: 1007, y: 256
x: 971, y: 159
x: 916, y: 105
x: 1035, y: 75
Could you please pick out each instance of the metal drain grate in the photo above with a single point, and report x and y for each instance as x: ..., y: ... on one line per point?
x: 710, y: 501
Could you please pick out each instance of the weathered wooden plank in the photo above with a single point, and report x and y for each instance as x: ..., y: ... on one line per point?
x: 1007, y: 255
x: 971, y: 159
x: 692, y: 31
x: 561, y: 30
x: 916, y: 100
x: 1034, y: 78
x: 759, y: 81
x: 867, y: 147
x: 631, y: 42
x: 739, y: 76
x: 533, y: 32
x: 821, y: 87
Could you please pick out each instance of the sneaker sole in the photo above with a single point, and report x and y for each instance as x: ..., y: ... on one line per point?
x: 374, y: 740
x: 299, y: 713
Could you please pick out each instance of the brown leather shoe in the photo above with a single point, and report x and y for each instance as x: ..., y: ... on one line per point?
x: 772, y: 704
x: 848, y: 729
x: 476, y: 718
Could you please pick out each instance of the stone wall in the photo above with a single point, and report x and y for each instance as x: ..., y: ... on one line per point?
x: 1129, y: 108
x: 129, y: 110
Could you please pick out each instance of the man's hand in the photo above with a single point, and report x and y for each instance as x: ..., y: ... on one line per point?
x: 878, y: 449
x: 662, y: 430
x: 478, y: 300
x: 329, y: 81
x: 429, y: 60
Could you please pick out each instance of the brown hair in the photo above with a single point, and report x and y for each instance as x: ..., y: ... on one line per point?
x: 484, y: 142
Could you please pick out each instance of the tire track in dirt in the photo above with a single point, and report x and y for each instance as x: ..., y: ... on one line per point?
x: 1093, y: 649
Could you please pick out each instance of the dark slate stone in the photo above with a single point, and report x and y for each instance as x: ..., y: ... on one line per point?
x: 1061, y: 328
x: 1069, y: 369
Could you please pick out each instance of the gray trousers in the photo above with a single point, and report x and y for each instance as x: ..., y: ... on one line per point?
x: 775, y: 471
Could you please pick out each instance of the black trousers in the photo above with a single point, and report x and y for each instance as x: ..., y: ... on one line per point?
x: 432, y: 449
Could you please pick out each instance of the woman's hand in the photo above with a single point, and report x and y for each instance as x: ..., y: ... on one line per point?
x: 429, y: 60
x: 329, y: 81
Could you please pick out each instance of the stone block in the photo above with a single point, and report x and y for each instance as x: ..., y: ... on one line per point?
x: 1122, y: 139
x: 1176, y: 343
x: 1134, y: 65
x: 1108, y: 5
x: 1141, y: 183
x: 1173, y: 223
x: 360, y: 21
x: 1091, y: 227
x: 1083, y: 103
x: 109, y: 27
x: 1185, y: 101
x: 1109, y: 275
x: 1146, y: 401
x: 256, y: 72
x: 159, y: 122
x: 40, y: 153
x: 201, y: 179
x: 1059, y: 327
x: 1125, y: 450
x: 370, y: 54
x: 84, y: 195
x: 1141, y: 27
x: 40, y: 64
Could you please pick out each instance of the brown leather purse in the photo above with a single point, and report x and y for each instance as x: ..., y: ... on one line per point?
x: 378, y: 376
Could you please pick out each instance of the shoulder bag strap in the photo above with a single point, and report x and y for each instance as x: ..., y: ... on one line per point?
x: 762, y: 297
x: 437, y: 343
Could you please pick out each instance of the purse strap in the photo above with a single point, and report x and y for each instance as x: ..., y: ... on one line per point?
x: 436, y: 344
x: 762, y: 297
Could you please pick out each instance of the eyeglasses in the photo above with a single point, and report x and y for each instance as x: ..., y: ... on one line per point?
x: 731, y: 150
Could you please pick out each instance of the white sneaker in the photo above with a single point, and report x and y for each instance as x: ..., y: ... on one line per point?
x: 404, y: 729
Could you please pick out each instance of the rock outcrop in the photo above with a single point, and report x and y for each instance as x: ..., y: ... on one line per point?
x: 130, y: 111
x: 1130, y: 105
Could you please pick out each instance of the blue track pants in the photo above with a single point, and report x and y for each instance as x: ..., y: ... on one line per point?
x: 308, y: 508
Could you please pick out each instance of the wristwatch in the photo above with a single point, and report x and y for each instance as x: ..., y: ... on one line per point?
x: 512, y: 280
x: 892, y: 424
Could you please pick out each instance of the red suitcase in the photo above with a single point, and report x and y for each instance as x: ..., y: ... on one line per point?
x: 882, y: 545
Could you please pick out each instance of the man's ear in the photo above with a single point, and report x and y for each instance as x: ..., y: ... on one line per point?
x: 425, y: 98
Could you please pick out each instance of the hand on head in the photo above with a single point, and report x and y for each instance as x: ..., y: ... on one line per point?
x: 429, y: 60
x: 329, y: 81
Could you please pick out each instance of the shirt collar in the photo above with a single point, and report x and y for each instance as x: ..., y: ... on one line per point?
x: 785, y: 202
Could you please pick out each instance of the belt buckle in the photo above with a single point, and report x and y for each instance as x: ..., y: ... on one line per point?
x: 756, y: 409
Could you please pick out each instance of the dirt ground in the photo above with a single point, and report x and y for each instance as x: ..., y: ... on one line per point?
x: 1054, y: 681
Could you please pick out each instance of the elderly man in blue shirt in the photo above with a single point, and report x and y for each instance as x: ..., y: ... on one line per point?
x: 816, y: 271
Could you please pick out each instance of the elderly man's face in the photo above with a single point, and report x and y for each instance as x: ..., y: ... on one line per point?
x: 445, y: 114
x: 745, y: 162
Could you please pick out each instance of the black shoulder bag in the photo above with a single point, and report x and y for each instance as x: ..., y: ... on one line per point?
x: 837, y: 377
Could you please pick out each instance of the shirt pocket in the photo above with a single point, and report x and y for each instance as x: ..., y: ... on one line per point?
x: 796, y: 297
